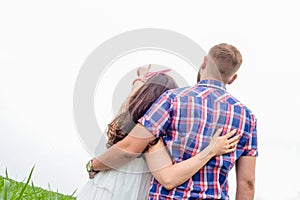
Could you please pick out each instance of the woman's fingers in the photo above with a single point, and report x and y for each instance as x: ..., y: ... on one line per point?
x: 230, y: 134
x: 219, y: 131
x: 92, y: 175
x: 234, y: 144
x: 231, y: 150
x: 222, y: 144
x: 234, y: 139
x: 232, y: 147
x: 217, y: 134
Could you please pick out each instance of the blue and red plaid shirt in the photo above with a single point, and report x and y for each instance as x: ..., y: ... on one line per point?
x: 186, y: 119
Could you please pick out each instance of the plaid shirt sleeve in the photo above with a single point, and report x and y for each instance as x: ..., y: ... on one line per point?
x: 250, y: 148
x: 158, y: 118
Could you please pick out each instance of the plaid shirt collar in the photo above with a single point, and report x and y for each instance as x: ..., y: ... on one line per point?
x: 212, y: 83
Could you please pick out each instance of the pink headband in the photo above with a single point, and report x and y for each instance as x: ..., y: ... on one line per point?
x: 149, y: 75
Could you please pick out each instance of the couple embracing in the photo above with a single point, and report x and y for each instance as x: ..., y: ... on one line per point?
x: 179, y: 143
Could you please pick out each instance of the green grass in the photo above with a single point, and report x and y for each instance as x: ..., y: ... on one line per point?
x: 13, y: 190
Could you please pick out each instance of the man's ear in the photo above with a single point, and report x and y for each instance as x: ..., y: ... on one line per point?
x: 204, y: 63
x: 232, y: 79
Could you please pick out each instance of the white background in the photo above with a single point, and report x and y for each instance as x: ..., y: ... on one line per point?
x: 43, y: 45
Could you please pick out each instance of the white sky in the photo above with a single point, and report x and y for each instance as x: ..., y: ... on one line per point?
x: 43, y: 45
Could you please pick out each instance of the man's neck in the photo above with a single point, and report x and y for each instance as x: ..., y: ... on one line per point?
x: 211, y: 78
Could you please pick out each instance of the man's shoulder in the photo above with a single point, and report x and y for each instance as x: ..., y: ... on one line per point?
x: 183, y: 91
x: 238, y: 104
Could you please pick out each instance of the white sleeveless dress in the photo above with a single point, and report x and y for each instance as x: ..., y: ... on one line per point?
x: 130, y: 182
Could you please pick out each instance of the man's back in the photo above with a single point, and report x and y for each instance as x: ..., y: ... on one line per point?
x: 187, y: 118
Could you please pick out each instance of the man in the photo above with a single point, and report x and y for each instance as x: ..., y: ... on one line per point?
x: 186, y: 118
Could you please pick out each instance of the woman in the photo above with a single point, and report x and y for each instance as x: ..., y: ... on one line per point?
x: 132, y: 180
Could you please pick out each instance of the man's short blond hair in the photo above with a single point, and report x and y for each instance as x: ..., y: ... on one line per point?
x: 227, y: 58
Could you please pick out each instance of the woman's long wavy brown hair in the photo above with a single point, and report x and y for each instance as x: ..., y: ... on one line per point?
x: 138, y: 104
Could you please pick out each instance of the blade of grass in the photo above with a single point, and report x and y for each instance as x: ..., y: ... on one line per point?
x: 5, y: 186
x: 34, y: 191
x: 72, y: 195
x: 26, y: 184
x: 56, y: 194
x: 10, y: 190
x: 50, y: 194
x: 6, y: 173
x: 6, y: 189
